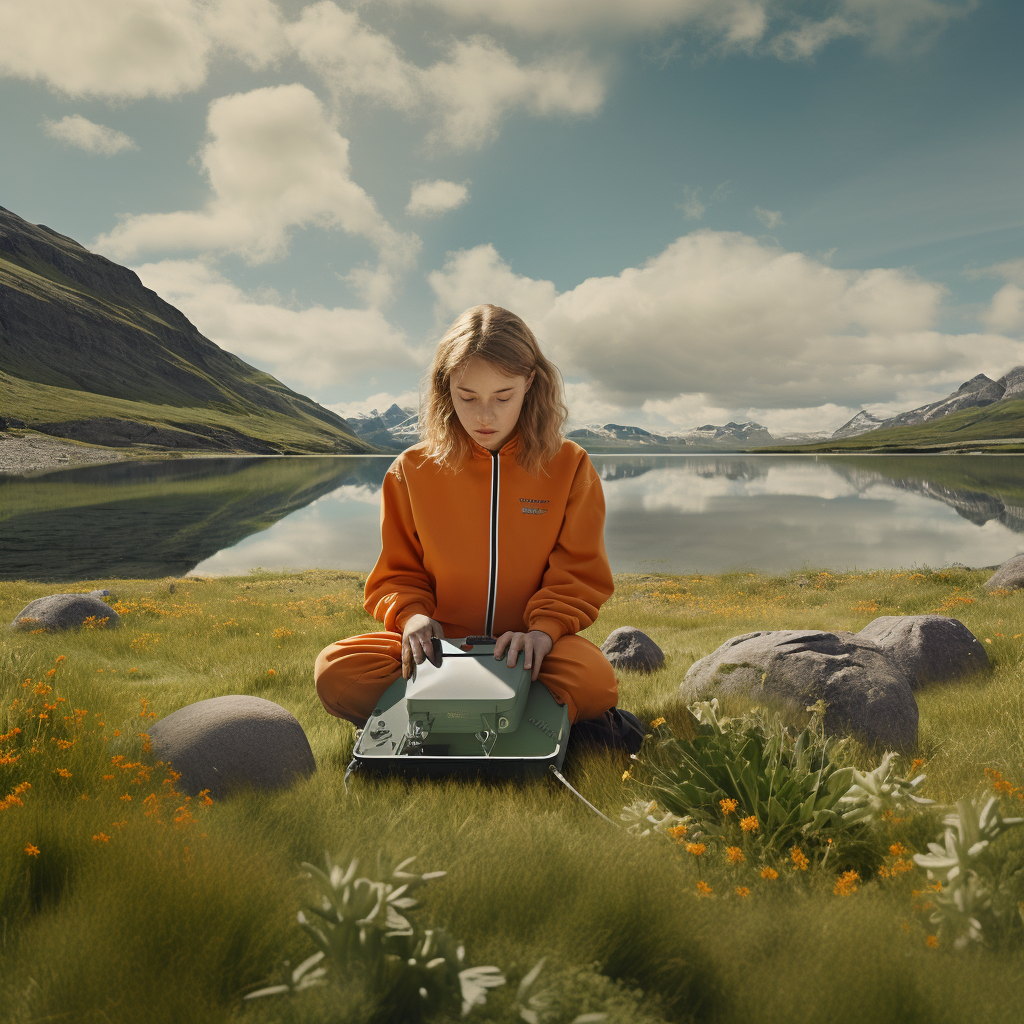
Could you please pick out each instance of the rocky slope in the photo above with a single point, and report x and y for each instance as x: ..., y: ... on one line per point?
x: 87, y: 352
x: 975, y: 393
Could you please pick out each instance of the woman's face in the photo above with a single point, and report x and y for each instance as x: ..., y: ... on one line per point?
x: 487, y: 401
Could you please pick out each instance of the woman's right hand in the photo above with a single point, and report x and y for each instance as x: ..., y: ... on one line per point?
x: 417, y: 642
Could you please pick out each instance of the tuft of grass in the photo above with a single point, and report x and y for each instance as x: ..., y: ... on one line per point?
x: 175, y: 920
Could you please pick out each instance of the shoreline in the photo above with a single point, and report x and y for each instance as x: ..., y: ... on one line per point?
x: 30, y: 452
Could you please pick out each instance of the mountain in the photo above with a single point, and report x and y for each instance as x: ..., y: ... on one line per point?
x: 976, y: 393
x: 860, y: 424
x: 87, y: 352
x: 616, y: 437
x: 395, y: 429
x: 746, y: 434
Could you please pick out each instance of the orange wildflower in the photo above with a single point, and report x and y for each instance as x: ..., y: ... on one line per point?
x: 101, y: 837
x: 703, y: 889
x: 742, y: 891
x: 769, y: 873
x: 846, y: 884
x: 677, y: 832
x: 728, y: 805
x: 695, y: 848
x: 31, y: 850
x: 749, y: 824
x: 800, y: 861
x: 734, y: 855
x: 932, y: 942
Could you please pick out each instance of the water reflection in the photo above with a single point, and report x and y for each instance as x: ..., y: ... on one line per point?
x: 151, y: 519
x: 665, y: 513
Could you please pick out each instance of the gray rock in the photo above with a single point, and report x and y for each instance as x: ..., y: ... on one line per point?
x: 928, y: 648
x: 631, y: 648
x: 1009, y: 576
x: 64, y: 611
x: 1013, y: 384
x: 226, y: 743
x: 865, y: 690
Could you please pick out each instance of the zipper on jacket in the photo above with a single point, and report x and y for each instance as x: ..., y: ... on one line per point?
x: 492, y: 571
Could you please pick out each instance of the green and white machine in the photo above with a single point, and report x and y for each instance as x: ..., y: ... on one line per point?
x: 464, y: 714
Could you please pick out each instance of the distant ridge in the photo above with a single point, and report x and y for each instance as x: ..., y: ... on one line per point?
x: 88, y: 352
x: 977, y: 393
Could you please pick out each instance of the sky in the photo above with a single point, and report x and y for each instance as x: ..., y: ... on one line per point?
x: 779, y: 210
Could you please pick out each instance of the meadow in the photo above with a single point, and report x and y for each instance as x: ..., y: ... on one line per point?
x: 123, y: 901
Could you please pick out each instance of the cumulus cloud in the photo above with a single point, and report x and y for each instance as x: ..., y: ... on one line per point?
x: 312, y: 347
x: 132, y: 48
x: 737, y: 323
x: 478, y: 275
x: 740, y: 19
x: 274, y: 162
x: 430, y: 198
x: 771, y: 219
x: 780, y: 26
x: 78, y: 131
x: 1006, y: 310
x: 469, y: 93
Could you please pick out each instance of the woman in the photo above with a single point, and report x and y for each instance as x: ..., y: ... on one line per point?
x: 492, y: 526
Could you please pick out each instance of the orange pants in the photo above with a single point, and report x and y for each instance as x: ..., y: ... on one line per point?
x: 351, y: 675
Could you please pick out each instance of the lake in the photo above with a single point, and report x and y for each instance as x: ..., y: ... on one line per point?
x: 686, y: 513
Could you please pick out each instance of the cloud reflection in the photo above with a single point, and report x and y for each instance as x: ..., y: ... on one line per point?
x: 717, y: 513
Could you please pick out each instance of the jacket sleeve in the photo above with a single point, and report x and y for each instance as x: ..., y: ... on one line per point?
x: 398, y: 587
x: 578, y: 579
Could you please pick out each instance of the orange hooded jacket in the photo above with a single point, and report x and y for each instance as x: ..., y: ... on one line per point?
x: 490, y: 547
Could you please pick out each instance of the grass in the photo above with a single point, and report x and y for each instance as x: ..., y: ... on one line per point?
x: 176, y: 914
x: 294, y: 433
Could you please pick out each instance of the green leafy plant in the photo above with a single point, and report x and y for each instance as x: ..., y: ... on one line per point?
x: 751, y: 775
x: 645, y: 817
x: 873, y: 794
x: 965, y: 898
x: 578, y: 995
x: 366, y: 923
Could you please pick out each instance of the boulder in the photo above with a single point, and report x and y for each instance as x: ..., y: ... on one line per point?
x: 928, y: 648
x: 1009, y: 576
x: 866, y: 691
x: 237, y: 741
x: 64, y: 611
x: 631, y: 648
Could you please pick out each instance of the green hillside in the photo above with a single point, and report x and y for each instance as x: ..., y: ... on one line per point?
x: 998, y: 427
x: 87, y: 352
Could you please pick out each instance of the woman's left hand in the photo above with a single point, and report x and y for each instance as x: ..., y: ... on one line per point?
x: 537, y: 644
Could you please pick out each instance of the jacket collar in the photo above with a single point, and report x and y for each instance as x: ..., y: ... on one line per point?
x: 510, y: 447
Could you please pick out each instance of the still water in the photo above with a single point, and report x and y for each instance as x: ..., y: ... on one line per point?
x: 704, y: 513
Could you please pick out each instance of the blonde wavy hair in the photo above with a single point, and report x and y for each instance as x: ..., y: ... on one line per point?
x: 503, y: 340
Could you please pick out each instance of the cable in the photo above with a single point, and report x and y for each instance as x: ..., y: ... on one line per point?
x: 565, y: 782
